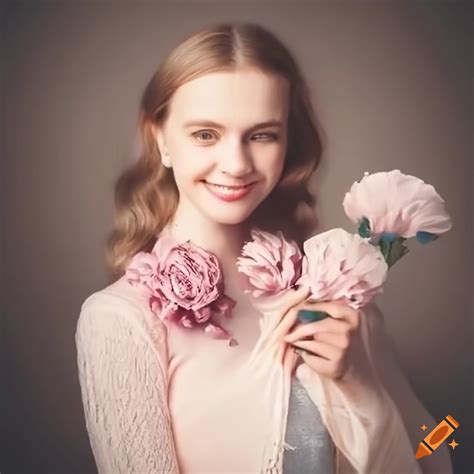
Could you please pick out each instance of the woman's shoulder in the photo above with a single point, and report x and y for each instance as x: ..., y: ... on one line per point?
x: 118, y: 296
x: 116, y: 324
x: 123, y: 307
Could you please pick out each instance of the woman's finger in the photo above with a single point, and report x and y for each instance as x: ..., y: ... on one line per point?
x: 340, y: 340
x: 291, y: 315
x: 321, y: 349
x: 301, y: 330
x: 328, y: 324
x: 329, y: 368
x: 337, y: 310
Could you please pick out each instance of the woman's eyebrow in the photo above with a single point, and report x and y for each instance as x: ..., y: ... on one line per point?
x: 211, y: 123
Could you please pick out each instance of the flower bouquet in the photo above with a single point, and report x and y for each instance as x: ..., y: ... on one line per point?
x: 184, y: 284
x: 388, y: 207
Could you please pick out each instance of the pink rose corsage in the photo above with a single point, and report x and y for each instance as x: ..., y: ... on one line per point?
x: 185, y: 284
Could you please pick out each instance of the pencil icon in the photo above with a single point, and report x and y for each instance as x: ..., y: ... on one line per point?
x: 436, y: 437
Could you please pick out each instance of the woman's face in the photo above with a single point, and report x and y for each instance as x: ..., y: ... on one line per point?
x: 216, y: 134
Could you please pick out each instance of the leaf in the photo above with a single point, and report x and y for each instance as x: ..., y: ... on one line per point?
x: 364, y: 228
x: 397, y: 251
x: 385, y: 249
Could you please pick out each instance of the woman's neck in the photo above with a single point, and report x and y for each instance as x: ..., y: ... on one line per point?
x: 223, y: 240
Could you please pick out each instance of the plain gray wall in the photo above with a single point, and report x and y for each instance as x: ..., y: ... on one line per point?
x: 392, y: 88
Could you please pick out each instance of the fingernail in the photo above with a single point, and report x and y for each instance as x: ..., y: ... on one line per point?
x: 310, y: 316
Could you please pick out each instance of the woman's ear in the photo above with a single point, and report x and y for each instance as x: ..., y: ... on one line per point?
x: 159, y: 137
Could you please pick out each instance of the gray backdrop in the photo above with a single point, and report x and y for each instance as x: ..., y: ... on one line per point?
x: 392, y: 87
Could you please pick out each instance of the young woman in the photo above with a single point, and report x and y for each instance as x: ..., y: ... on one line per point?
x: 229, y: 141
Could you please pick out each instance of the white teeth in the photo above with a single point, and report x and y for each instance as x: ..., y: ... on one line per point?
x: 226, y: 187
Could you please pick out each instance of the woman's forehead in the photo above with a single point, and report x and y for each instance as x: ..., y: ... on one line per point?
x: 248, y: 97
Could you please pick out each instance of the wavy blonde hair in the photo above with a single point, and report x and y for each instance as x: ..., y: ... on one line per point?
x: 146, y: 195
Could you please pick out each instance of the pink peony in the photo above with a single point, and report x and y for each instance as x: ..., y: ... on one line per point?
x: 396, y: 203
x: 186, y: 285
x: 188, y: 275
x: 341, y: 266
x: 272, y: 264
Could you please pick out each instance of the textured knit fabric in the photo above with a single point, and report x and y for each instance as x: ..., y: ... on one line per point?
x: 124, y: 387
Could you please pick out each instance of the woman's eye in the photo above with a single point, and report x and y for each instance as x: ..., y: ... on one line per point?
x: 204, y: 133
x: 272, y: 136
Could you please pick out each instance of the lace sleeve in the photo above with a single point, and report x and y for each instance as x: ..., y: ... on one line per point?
x: 123, y: 388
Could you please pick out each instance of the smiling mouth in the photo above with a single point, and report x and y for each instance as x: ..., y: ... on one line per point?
x: 223, y: 186
x: 229, y: 194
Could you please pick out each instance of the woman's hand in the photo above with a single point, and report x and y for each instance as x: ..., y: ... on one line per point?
x: 328, y: 343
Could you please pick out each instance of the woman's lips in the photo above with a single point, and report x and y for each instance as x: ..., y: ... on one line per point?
x: 230, y: 193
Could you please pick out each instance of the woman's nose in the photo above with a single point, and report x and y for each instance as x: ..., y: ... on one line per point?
x: 236, y: 161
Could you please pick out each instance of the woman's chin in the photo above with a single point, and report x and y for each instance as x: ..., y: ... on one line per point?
x: 229, y: 219
x: 228, y: 216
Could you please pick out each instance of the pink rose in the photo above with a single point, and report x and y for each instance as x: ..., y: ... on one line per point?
x: 272, y: 264
x: 341, y: 266
x: 189, y: 283
x: 185, y: 285
x: 396, y: 203
x: 187, y: 275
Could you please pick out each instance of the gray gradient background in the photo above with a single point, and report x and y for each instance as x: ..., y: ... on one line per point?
x: 392, y: 87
